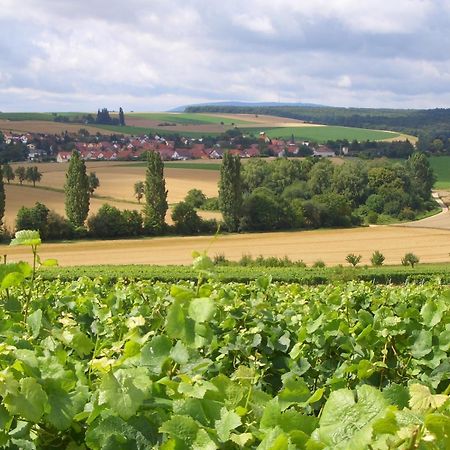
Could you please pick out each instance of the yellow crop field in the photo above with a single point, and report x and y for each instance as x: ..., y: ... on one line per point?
x: 330, y: 246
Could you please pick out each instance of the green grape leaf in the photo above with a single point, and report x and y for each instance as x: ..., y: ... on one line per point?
x: 34, y: 321
x: 155, y: 353
x: 26, y: 237
x: 30, y: 402
x: 182, y: 428
x: 228, y: 421
x: 348, y: 420
x: 124, y: 391
x: 431, y: 313
x: 202, y: 309
x: 422, y: 345
x: 179, y: 353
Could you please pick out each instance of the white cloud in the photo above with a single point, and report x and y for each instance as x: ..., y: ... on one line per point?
x: 156, y: 55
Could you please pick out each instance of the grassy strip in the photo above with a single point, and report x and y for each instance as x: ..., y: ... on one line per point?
x: 441, y: 168
x: 61, y: 191
x: 304, y: 275
x: 189, y: 118
x: 325, y: 133
x: 183, y: 165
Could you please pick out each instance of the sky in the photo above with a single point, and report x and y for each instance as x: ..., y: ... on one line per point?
x: 154, y: 55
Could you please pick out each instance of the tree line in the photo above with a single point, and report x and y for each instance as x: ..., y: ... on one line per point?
x: 257, y: 196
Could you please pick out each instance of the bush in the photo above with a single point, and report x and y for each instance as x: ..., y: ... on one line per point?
x: 210, y: 204
x: 34, y: 218
x: 195, y: 197
x: 372, y: 217
x: 107, y: 223
x: 410, y: 259
x: 377, y: 258
x: 132, y: 222
x: 186, y: 219
x: 407, y: 214
x: 58, y: 227
x: 319, y: 264
x: 353, y: 259
x: 209, y: 226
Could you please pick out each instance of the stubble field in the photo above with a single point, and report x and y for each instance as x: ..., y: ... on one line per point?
x: 330, y: 246
x: 431, y: 244
x: 116, y: 187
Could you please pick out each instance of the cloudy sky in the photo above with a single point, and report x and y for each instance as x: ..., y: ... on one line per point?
x: 150, y: 55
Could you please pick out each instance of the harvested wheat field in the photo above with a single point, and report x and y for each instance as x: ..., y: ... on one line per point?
x: 18, y: 196
x: 117, y: 179
x: 330, y: 246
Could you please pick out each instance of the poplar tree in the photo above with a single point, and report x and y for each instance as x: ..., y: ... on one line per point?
x: 2, y: 200
x: 121, y: 117
x: 77, y: 191
x: 155, y: 195
x: 230, y: 191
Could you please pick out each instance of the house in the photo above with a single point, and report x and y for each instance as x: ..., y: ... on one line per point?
x: 322, y: 151
x: 63, y: 157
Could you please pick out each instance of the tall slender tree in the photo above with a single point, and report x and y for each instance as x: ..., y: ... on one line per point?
x: 2, y: 201
x: 155, y: 195
x: 77, y: 191
x: 121, y: 117
x: 230, y: 191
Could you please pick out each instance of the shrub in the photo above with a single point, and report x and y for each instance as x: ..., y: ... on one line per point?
x: 407, y: 214
x: 410, y: 259
x: 58, y: 227
x: 132, y: 222
x: 377, y: 258
x: 319, y: 264
x: 108, y: 222
x: 34, y: 218
x: 210, y: 204
x: 195, y: 197
x: 246, y: 260
x: 209, y: 226
x: 220, y: 260
x: 372, y: 217
x: 186, y: 219
x: 353, y: 259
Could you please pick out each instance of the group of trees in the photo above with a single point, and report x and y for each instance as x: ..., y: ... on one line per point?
x: 286, y: 194
x: 260, y: 195
x: 30, y: 173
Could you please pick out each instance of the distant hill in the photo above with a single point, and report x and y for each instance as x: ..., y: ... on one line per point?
x: 245, y: 105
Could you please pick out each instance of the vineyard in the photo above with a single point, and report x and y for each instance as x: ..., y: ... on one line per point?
x: 202, y: 364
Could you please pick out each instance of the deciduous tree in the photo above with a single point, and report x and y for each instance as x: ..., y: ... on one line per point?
x: 94, y: 183
x: 33, y: 175
x: 20, y: 174
x: 8, y: 173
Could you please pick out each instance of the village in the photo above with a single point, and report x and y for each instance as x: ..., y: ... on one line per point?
x: 47, y: 147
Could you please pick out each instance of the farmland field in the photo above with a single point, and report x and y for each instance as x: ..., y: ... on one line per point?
x: 441, y: 168
x: 196, y: 125
x: 116, y: 187
x: 330, y: 246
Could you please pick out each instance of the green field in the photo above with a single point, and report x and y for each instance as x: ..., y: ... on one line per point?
x: 441, y: 167
x: 325, y: 133
x: 189, y: 118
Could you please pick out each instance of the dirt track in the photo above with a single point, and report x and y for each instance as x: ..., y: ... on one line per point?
x: 331, y: 246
